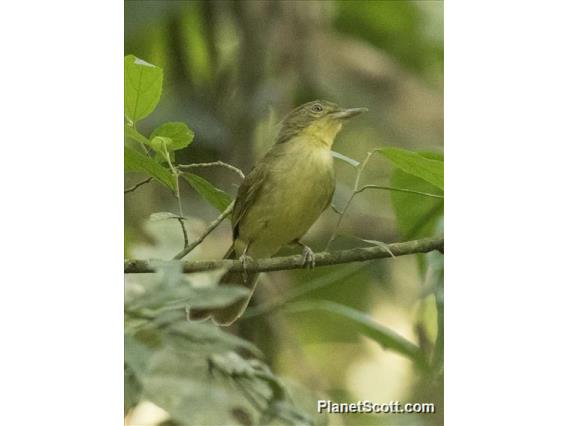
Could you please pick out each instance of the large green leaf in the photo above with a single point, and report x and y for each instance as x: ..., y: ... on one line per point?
x: 133, y: 134
x: 142, y: 87
x: 188, y: 368
x: 174, y: 374
x: 175, y: 291
x: 179, y: 134
x: 413, y: 163
x: 216, y: 197
x: 417, y: 216
x: 137, y: 162
x: 186, y: 295
x: 186, y: 335
x: 367, y: 326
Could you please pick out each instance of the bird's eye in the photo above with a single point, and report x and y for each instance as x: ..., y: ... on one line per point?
x: 317, y: 108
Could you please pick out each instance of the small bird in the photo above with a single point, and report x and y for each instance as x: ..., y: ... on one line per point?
x: 284, y: 194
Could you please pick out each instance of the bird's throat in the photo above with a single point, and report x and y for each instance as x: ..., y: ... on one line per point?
x: 323, y: 133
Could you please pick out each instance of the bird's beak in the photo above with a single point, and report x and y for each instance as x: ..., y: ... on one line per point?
x: 348, y: 113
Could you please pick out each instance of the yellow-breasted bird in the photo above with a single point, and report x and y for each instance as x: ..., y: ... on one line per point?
x: 283, y: 195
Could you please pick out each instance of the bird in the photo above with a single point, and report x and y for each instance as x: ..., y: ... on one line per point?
x: 282, y: 197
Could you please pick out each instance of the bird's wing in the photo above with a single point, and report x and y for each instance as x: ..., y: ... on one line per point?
x: 248, y: 192
x: 331, y: 191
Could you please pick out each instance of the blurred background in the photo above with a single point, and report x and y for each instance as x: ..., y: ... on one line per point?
x: 232, y: 70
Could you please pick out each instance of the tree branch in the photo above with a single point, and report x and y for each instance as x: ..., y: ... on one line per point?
x: 137, y: 266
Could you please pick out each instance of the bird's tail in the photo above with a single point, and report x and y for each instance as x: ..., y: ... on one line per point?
x: 229, y: 314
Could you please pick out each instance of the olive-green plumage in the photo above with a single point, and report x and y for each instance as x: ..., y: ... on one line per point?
x: 284, y: 194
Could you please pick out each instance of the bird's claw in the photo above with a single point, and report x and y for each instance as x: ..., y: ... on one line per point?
x: 244, y: 259
x: 309, y: 258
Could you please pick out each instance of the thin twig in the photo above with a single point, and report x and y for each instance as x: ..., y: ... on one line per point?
x: 176, y: 174
x: 360, y: 169
x: 390, y: 188
x: 189, y: 247
x: 137, y: 266
x: 213, y: 164
x: 139, y: 184
x: 185, y: 237
x: 335, y: 209
x: 357, y: 190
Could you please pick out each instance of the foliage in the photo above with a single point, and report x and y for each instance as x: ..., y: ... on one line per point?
x: 417, y: 220
x: 142, y: 91
x: 175, y: 363
x: 367, y: 327
x: 216, y: 197
x: 142, y: 88
x: 180, y: 365
x: 218, y: 74
x: 428, y: 169
x: 136, y: 162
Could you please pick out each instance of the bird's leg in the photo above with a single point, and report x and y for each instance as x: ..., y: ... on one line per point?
x: 309, y: 256
x: 244, y: 259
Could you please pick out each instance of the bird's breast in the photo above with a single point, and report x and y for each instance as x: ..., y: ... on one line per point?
x: 298, y: 188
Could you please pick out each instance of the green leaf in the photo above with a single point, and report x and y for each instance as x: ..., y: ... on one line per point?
x: 367, y: 326
x: 136, y: 162
x: 216, y: 197
x: 314, y: 284
x: 413, y: 163
x: 175, y: 291
x: 257, y: 377
x: 133, y: 134
x: 417, y: 217
x: 160, y: 144
x: 186, y: 295
x: 142, y: 87
x: 186, y: 335
x: 162, y: 158
x: 180, y: 382
x: 178, y: 133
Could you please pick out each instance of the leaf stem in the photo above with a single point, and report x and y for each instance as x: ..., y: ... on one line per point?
x: 176, y: 174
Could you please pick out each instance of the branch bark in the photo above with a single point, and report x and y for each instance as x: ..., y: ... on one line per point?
x: 137, y: 266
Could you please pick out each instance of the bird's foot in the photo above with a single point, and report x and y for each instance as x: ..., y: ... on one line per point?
x: 244, y: 259
x: 309, y: 257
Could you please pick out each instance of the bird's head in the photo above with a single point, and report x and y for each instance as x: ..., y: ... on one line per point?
x: 319, y: 121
